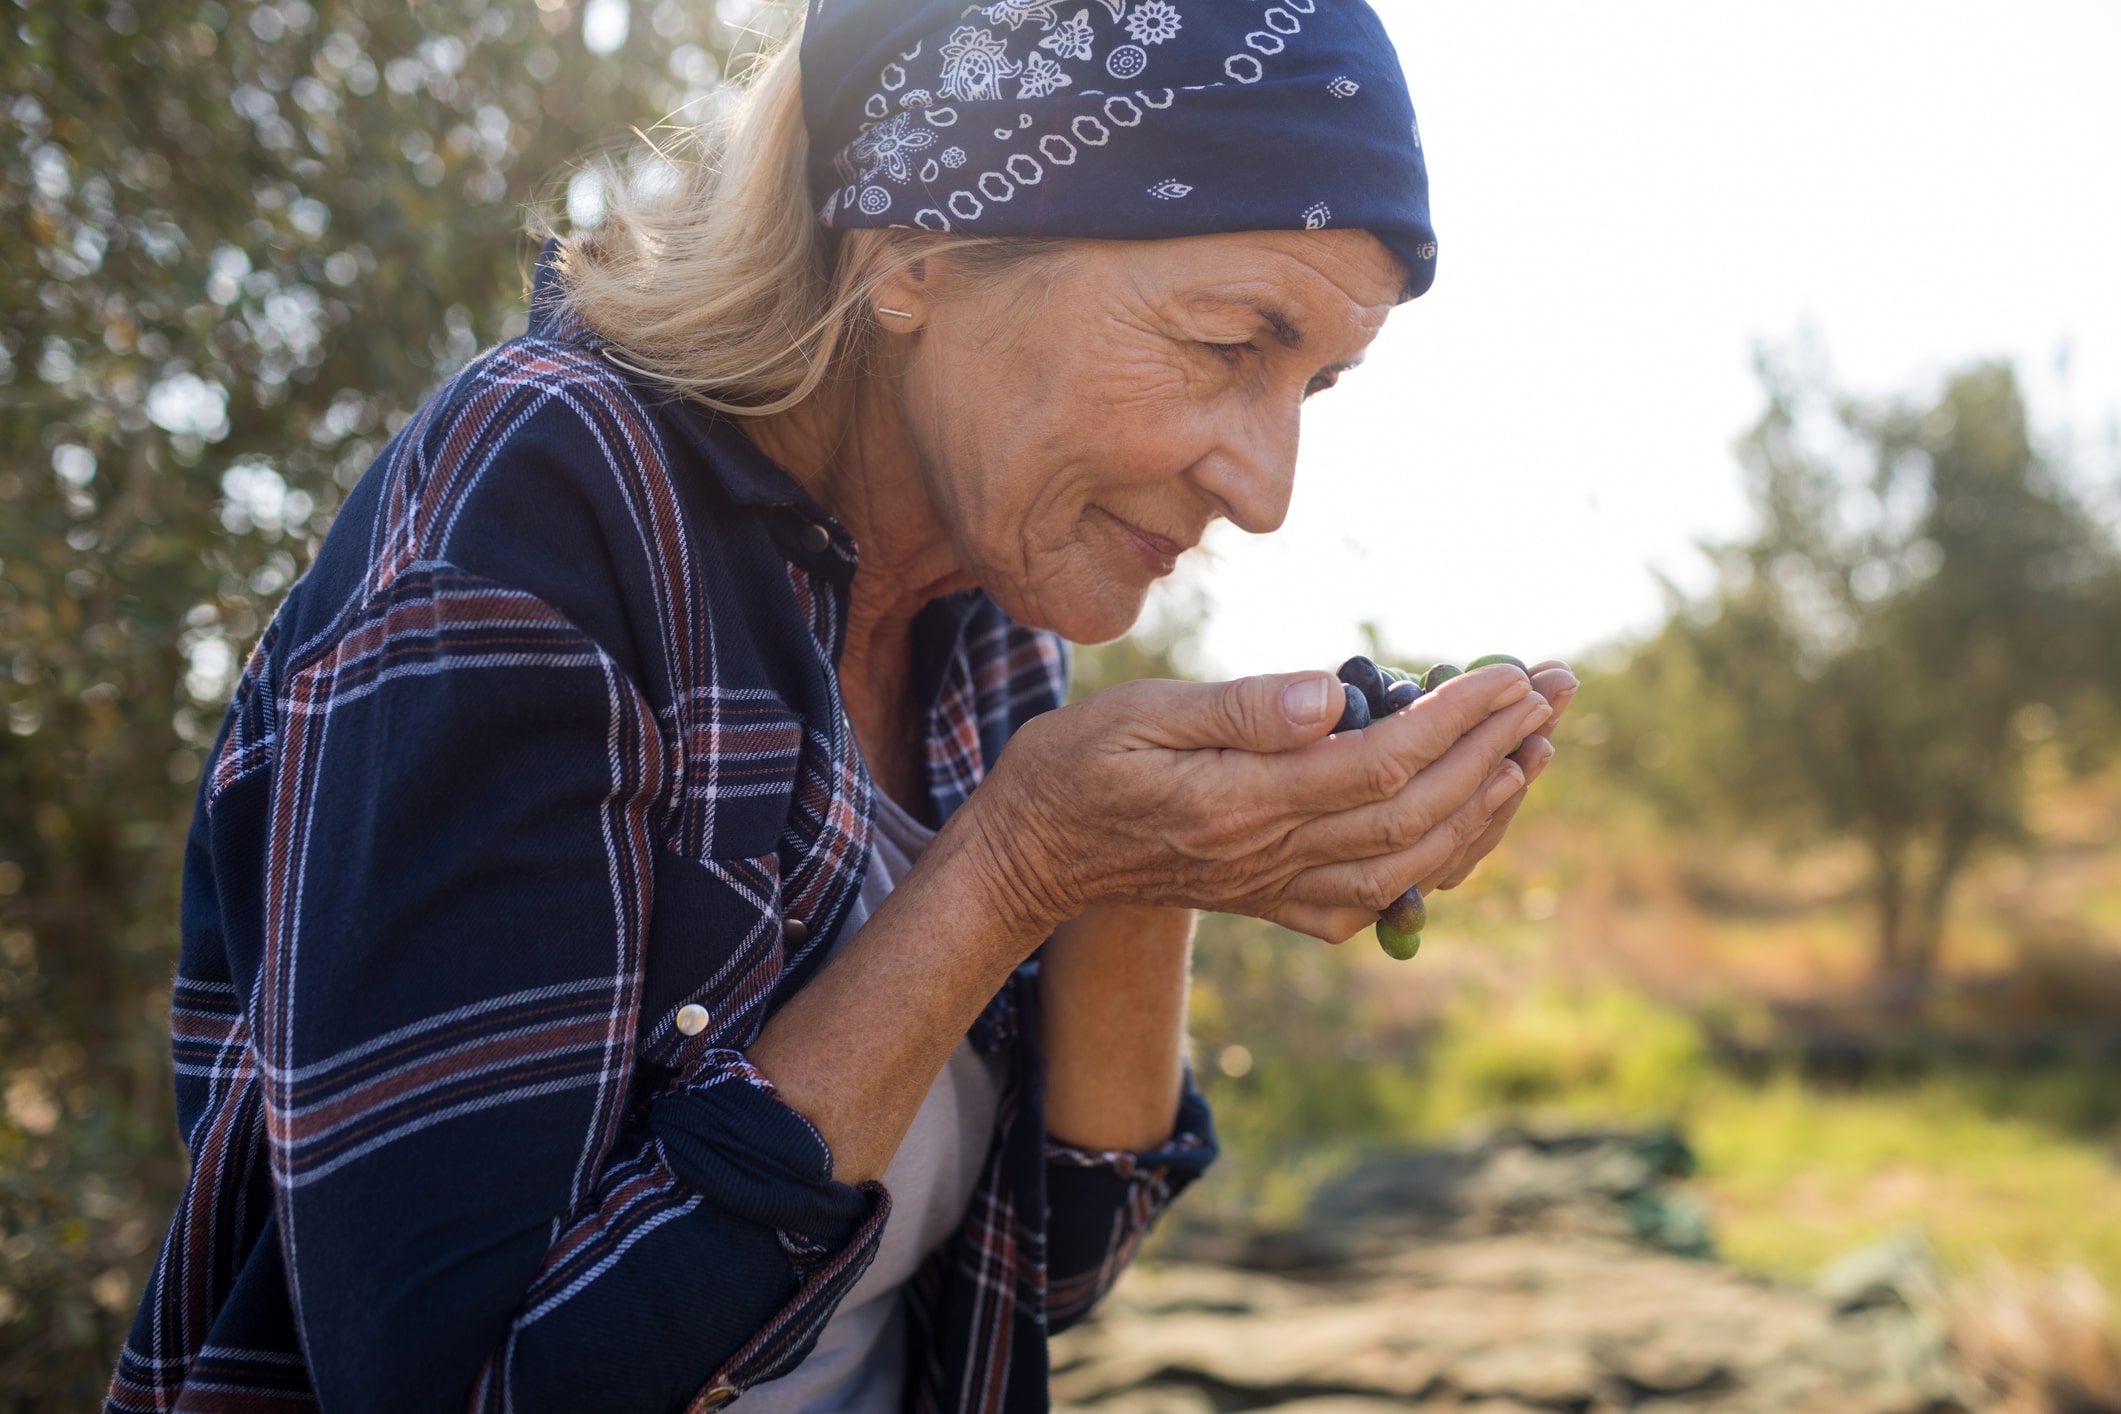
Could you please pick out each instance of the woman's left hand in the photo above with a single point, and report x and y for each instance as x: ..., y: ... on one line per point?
x: 1553, y: 681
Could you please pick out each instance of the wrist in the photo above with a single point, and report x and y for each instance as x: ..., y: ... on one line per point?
x: 1006, y: 873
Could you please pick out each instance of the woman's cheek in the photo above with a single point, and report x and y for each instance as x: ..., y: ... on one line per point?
x: 1147, y: 383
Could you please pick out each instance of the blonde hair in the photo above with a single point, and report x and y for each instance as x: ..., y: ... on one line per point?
x: 722, y: 285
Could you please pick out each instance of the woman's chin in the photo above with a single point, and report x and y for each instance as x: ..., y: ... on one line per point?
x: 1080, y: 613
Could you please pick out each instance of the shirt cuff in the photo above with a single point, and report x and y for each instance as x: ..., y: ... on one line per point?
x: 731, y: 1138
x: 1183, y: 1157
x: 1101, y: 1203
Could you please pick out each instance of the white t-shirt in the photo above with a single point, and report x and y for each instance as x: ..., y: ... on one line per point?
x: 859, y: 1364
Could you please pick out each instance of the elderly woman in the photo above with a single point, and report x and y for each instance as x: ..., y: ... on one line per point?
x: 623, y: 968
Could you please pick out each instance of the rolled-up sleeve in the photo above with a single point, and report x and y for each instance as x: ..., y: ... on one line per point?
x: 710, y: 1262
x: 478, y: 1204
x: 1102, y: 1203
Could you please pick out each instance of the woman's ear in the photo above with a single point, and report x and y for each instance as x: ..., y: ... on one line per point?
x: 902, y: 298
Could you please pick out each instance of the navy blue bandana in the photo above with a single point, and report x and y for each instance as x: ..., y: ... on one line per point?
x: 1117, y: 119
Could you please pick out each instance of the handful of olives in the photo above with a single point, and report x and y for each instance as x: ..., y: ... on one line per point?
x: 1373, y: 692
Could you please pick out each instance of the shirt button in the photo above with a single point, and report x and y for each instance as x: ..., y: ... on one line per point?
x: 692, y: 1020
x: 794, y: 931
x: 816, y: 539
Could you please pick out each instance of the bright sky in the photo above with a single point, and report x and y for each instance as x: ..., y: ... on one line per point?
x: 1628, y: 198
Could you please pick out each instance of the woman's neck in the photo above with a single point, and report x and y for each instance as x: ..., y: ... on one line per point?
x: 851, y: 453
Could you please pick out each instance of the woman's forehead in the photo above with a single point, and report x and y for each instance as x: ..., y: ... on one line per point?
x: 1275, y: 274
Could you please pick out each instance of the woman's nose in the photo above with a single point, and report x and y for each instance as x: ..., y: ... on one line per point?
x: 1251, y: 475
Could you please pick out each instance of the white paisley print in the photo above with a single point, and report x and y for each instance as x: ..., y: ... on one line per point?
x: 974, y: 64
x: 886, y: 147
x: 1041, y: 77
x: 1072, y: 38
x: 1046, y: 12
x: 1023, y: 50
x: 1014, y: 12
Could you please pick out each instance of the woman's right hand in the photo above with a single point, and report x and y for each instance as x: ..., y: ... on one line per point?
x: 1234, y: 797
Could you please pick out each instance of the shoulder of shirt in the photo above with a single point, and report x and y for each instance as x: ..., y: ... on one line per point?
x: 540, y: 467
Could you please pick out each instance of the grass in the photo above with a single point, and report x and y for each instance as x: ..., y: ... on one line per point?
x: 1795, y: 1175
x: 1989, y: 1167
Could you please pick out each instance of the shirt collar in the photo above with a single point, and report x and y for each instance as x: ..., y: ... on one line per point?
x: 743, y: 473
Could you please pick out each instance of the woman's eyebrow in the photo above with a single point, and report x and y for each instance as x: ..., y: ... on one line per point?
x: 1285, y: 330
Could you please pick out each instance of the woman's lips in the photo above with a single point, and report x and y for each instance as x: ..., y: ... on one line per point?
x: 1159, y: 553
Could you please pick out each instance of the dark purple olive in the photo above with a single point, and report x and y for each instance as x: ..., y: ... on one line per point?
x: 1362, y: 675
x: 1356, y: 714
x: 1409, y: 913
x: 1400, y: 694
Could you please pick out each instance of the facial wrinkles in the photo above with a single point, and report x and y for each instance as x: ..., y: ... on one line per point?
x: 1107, y: 399
x: 1154, y: 418
x: 1102, y: 439
x: 983, y: 403
x: 1162, y: 391
x: 1315, y: 301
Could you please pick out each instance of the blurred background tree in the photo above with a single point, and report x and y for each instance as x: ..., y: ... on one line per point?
x: 1924, y: 600
x: 248, y: 237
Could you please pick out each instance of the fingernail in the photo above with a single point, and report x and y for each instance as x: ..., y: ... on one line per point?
x: 1309, y: 701
x: 1508, y: 781
x: 1536, y: 713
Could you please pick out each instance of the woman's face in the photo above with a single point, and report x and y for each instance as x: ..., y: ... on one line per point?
x: 1081, y: 421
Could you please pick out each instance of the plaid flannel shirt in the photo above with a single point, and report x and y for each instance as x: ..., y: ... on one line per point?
x: 547, y: 745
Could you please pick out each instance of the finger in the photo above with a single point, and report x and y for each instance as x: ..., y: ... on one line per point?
x: 1558, y: 685
x: 1373, y: 883
x: 1460, y: 867
x: 1271, y: 713
x: 1352, y: 768
x: 1533, y: 757
x: 1536, y: 753
x: 1325, y: 922
x: 1436, y: 793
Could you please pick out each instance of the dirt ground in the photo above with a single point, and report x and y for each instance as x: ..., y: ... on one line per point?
x: 1516, y: 1273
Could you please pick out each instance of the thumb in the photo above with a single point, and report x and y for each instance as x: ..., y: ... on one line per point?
x: 1273, y: 712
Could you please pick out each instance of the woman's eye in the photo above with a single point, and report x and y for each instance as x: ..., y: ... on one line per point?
x: 1233, y: 353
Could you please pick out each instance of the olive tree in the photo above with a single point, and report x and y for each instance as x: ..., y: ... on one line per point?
x: 1926, y: 598
x: 243, y: 240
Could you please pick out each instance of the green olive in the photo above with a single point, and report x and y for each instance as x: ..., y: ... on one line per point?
x: 1493, y: 658
x: 1439, y: 675
x: 1395, y: 943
